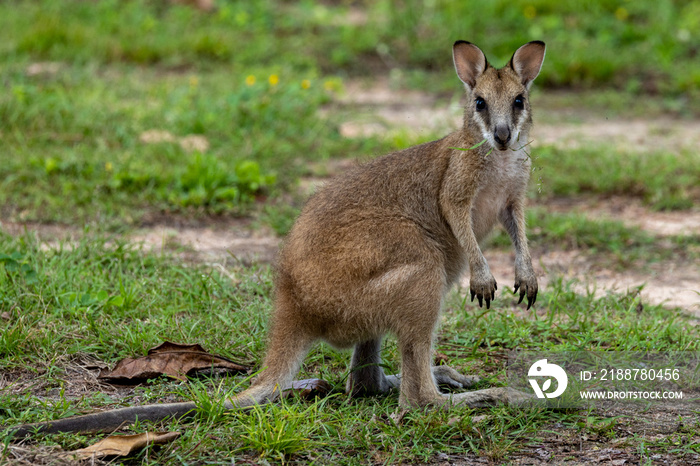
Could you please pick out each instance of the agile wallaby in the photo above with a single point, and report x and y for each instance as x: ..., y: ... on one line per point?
x: 376, y: 250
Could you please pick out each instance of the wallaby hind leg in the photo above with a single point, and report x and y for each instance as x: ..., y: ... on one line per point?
x: 443, y: 375
x: 366, y: 374
x: 417, y: 384
x: 288, y: 346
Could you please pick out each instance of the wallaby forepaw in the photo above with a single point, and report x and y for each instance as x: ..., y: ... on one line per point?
x: 528, y: 287
x: 483, y: 290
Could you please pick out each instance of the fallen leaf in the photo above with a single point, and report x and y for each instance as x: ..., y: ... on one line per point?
x: 169, y: 359
x: 440, y: 359
x: 6, y: 316
x: 397, y: 416
x: 124, y: 445
x: 308, y: 388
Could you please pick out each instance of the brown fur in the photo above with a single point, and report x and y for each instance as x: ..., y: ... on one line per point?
x: 375, y: 251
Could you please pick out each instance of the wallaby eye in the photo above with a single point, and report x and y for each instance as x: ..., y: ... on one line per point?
x: 480, y: 104
x: 519, y: 102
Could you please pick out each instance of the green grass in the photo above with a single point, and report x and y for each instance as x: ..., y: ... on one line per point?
x: 76, y: 149
x: 637, y: 46
x: 133, y: 300
x: 85, y: 83
x: 665, y: 180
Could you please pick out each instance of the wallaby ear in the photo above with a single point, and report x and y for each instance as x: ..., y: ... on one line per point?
x: 469, y: 61
x: 527, y: 61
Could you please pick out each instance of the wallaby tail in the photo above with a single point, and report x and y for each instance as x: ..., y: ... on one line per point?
x: 107, y: 421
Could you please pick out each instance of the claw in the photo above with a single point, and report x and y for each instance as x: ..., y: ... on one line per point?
x: 488, y: 302
x: 515, y: 288
x: 472, y: 295
x: 522, y: 295
x: 479, y: 297
x: 495, y: 286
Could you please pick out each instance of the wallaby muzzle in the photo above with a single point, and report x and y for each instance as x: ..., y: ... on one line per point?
x: 502, y: 135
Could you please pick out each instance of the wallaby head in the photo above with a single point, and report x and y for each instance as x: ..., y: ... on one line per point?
x: 498, y: 99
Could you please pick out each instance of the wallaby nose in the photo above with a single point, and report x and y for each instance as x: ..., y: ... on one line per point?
x: 502, y: 135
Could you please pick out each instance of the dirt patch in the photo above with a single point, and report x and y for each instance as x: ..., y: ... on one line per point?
x: 207, y: 244
x: 190, y: 143
x: 378, y: 109
x: 229, y: 241
x: 632, y: 212
x: 617, y: 444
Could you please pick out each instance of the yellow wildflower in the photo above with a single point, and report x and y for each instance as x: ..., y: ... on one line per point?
x: 530, y: 12
x: 622, y: 14
x: 305, y: 84
x: 108, y: 166
x: 250, y: 80
x: 274, y: 79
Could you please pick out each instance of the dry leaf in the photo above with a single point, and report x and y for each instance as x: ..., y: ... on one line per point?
x: 124, y: 445
x: 397, y: 416
x: 308, y: 388
x: 440, y: 359
x: 169, y: 359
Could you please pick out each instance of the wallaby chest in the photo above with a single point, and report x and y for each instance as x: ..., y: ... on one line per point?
x: 505, y: 179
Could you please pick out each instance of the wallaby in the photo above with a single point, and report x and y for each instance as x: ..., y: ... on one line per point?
x: 376, y: 250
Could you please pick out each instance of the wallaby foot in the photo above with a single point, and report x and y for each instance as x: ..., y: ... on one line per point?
x: 443, y: 375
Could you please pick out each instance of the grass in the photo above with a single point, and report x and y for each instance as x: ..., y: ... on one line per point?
x: 116, y: 113
x: 83, y: 149
x: 86, y: 85
x: 134, y: 300
x: 584, y: 40
x: 665, y: 180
